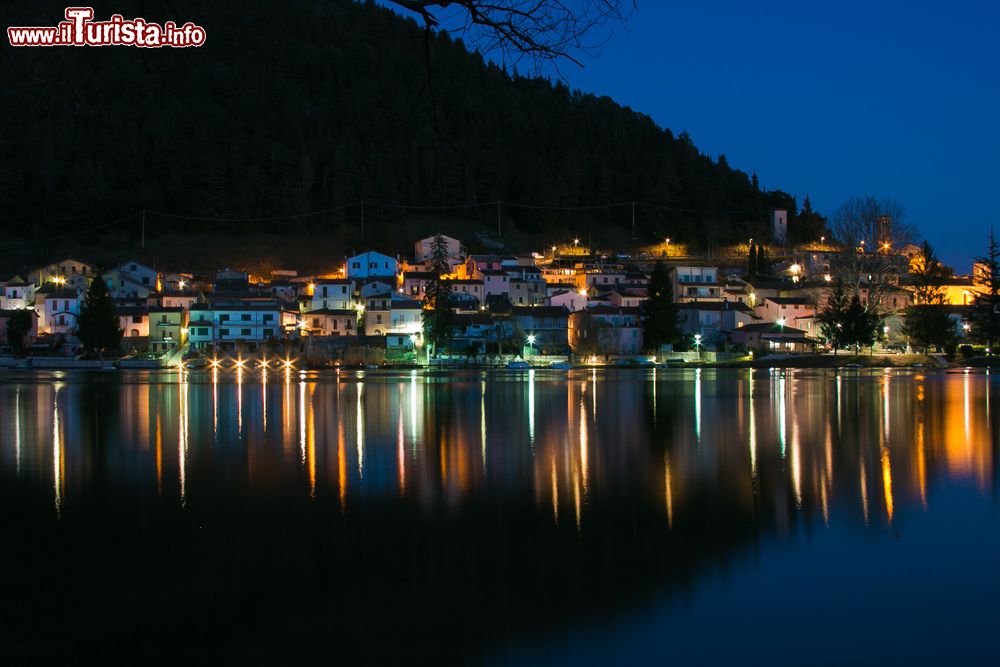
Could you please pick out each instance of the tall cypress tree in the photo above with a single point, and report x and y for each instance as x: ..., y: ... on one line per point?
x: 437, y: 295
x: 659, y: 310
x: 98, y: 327
x: 985, y: 316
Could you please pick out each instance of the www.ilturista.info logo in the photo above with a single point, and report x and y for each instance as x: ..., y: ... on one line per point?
x: 79, y: 29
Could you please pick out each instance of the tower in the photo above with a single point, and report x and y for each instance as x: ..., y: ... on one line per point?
x: 779, y: 225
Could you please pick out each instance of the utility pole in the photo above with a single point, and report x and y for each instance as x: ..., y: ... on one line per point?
x: 362, y: 218
x: 142, y: 237
x: 633, y: 220
x: 498, y: 222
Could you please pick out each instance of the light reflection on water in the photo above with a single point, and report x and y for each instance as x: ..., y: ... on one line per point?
x: 738, y: 453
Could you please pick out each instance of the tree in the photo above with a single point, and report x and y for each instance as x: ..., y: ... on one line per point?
x: 872, y: 221
x: 18, y: 327
x: 833, y: 315
x: 985, y: 315
x: 659, y: 310
x: 542, y: 30
x: 98, y: 327
x: 752, y: 261
x: 927, y: 322
x: 929, y: 325
x: 928, y: 275
x: 437, y: 295
x: 861, y: 324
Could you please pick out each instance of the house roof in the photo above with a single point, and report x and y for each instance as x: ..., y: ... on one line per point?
x: 540, y: 311
x: 789, y: 300
x: 715, y: 306
x: 772, y: 329
x: 60, y: 294
x: 336, y: 312
x: 11, y: 311
x: 610, y: 310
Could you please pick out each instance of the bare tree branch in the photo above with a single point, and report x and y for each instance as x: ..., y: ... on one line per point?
x: 543, y: 31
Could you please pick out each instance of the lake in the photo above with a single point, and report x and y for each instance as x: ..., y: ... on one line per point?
x: 543, y: 517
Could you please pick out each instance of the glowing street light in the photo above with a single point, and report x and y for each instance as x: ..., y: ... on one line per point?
x: 965, y: 326
x: 781, y: 322
x: 181, y: 284
x: 827, y: 277
x: 576, y: 242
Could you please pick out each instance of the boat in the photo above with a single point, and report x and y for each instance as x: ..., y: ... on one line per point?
x: 559, y: 366
x: 518, y: 366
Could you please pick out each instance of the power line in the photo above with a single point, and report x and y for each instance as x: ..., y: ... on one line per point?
x: 71, y: 234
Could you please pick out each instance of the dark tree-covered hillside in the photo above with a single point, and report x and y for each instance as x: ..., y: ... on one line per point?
x: 307, y: 105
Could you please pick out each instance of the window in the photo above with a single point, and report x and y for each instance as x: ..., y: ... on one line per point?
x: 202, y: 331
x: 65, y: 305
x: 348, y: 324
x: 137, y: 319
x: 378, y: 318
x: 145, y: 280
x: 245, y: 317
x: 62, y: 319
x: 268, y: 333
x: 334, y: 326
x: 268, y: 317
x: 355, y: 265
x: 244, y: 332
x: 223, y: 332
x: 224, y: 317
x: 132, y: 268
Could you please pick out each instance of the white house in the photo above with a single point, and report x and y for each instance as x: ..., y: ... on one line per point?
x: 17, y: 295
x: 370, y: 264
x: 423, y: 249
x: 223, y: 324
x: 58, y: 310
x: 696, y: 282
x: 571, y: 300
x: 331, y: 322
x: 332, y: 294
x: 132, y: 280
x: 68, y: 273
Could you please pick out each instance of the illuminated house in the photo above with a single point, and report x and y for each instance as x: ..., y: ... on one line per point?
x: 134, y: 321
x: 132, y: 280
x: 229, y: 325
x: 714, y: 321
x: 772, y: 337
x: 331, y: 322
x: 32, y: 333
x: 693, y: 283
x: 58, y: 309
x: 371, y: 264
x: 17, y: 295
x: 606, y: 330
x: 332, y: 294
x: 167, y: 328
x: 68, y: 273
x: 548, y: 324
x: 423, y: 249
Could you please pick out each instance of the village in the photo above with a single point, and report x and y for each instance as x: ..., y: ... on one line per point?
x: 570, y: 304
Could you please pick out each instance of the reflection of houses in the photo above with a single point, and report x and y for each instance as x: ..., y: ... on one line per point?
x: 771, y: 337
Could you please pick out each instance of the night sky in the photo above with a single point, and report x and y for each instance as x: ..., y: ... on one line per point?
x: 889, y: 98
x: 893, y: 99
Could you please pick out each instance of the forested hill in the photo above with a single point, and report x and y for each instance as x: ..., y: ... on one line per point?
x: 304, y: 105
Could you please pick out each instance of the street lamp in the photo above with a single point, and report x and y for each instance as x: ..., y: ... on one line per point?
x: 697, y: 344
x: 576, y: 242
x: 181, y: 284
x: 531, y: 341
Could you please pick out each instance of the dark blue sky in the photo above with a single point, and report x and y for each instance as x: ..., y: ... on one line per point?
x: 893, y: 99
x: 889, y: 98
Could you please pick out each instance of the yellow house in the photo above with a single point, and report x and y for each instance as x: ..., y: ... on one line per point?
x: 167, y: 328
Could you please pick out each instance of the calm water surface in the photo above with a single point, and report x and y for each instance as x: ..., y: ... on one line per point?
x: 619, y: 517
